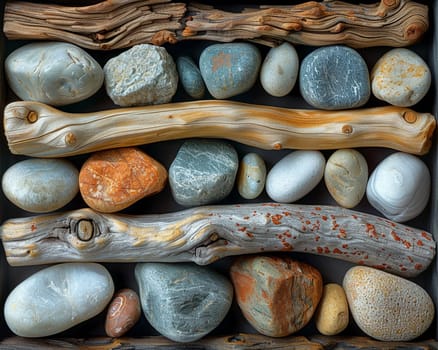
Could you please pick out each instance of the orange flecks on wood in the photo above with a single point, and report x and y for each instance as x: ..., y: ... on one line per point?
x: 276, y: 219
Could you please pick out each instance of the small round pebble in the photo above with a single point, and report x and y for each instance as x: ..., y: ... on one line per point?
x: 203, y: 171
x: 346, y: 177
x: 295, y: 175
x: 387, y: 307
x: 401, y: 78
x: 41, y: 185
x: 251, y: 176
x: 399, y: 186
x: 279, y: 71
x: 190, y: 77
x: 334, y: 77
x: 229, y: 69
x: 332, y: 317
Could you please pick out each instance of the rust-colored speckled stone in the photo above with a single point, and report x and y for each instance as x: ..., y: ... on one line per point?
x: 123, y: 313
x: 278, y: 296
x: 112, y: 180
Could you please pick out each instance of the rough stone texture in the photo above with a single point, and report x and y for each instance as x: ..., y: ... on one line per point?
x: 190, y: 77
x: 229, y: 69
x: 143, y: 75
x: 112, y: 180
x: 387, y: 307
x: 399, y: 186
x: 401, y: 78
x: 251, y: 176
x: 58, y: 298
x: 123, y: 313
x: 334, y: 77
x: 346, y: 177
x: 278, y: 296
x: 203, y: 172
x: 41, y: 185
x: 53, y: 72
x: 183, y: 302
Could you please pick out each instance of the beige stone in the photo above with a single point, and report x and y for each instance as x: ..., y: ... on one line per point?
x: 332, y: 315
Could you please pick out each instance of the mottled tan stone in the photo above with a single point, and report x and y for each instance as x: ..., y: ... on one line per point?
x: 278, y: 296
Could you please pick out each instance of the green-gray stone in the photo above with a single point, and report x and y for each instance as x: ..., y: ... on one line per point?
x: 190, y: 77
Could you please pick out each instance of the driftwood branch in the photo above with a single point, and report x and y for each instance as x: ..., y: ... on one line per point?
x: 206, y: 234
x: 124, y: 23
x: 38, y: 130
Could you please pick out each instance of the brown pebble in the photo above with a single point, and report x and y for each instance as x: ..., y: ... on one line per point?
x: 278, y: 296
x: 112, y: 180
x: 123, y: 313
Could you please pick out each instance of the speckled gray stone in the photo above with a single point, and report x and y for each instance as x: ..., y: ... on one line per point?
x: 229, y: 69
x: 334, y: 77
x: 203, y: 172
x: 183, y: 302
x: 190, y: 77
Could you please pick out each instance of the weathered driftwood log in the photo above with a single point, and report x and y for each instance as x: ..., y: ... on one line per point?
x: 38, y: 130
x: 206, y: 234
x: 122, y: 23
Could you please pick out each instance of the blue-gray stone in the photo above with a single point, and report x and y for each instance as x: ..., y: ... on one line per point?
x: 190, y: 77
x: 183, y: 302
x: 229, y: 69
x: 334, y: 77
x: 203, y: 172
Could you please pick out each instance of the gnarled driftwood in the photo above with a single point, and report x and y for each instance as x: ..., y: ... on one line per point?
x: 38, y: 130
x: 205, y: 234
x: 118, y: 24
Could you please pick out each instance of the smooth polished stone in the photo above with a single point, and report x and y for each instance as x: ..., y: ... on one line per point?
x: 53, y: 72
x: 190, y: 77
x: 387, y: 307
x: 295, y: 175
x: 399, y: 187
x: 58, y: 298
x: 183, y: 302
x: 279, y: 70
x: 334, y: 77
x: 401, y: 78
x: 251, y: 176
x: 143, y: 75
x: 203, y: 172
x: 346, y: 177
x: 229, y: 69
x: 114, y: 179
x: 278, y: 296
x: 41, y: 185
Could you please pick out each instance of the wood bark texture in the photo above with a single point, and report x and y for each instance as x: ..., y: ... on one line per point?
x: 118, y: 24
x: 38, y: 130
x: 206, y: 234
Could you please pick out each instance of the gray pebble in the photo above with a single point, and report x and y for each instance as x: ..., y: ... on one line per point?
x: 190, y: 77
x: 203, y: 172
x: 183, y: 302
x: 334, y: 77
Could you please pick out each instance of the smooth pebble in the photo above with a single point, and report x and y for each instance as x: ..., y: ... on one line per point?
x: 41, y: 185
x: 346, y: 177
x: 401, y: 78
x: 334, y: 77
x: 399, y: 187
x: 279, y: 70
x: 183, y: 302
x: 251, y: 176
x: 58, y: 298
x: 387, y: 307
x: 190, y: 77
x: 229, y: 69
x: 295, y: 175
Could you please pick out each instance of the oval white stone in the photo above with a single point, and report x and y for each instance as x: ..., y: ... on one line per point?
x: 279, y: 70
x: 399, y: 187
x: 41, y: 185
x: 58, y: 298
x: 53, y: 72
x: 295, y: 175
x: 251, y: 177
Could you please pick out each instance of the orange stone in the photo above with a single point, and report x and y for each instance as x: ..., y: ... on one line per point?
x: 112, y: 180
x: 278, y: 296
x: 123, y: 313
